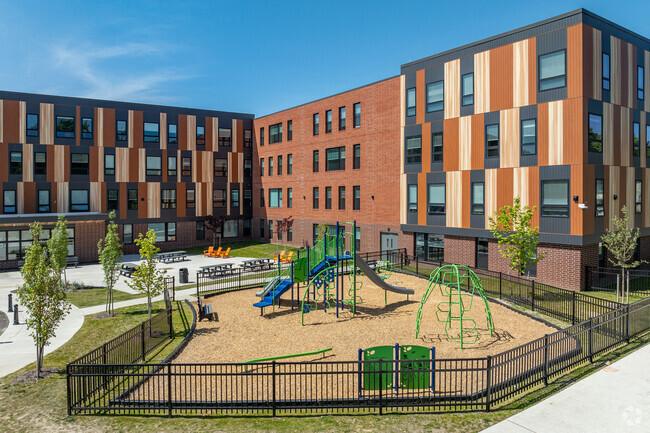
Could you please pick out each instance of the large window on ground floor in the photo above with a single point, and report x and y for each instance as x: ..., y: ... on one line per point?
x: 14, y: 243
x: 231, y: 229
x: 555, y: 198
x: 165, y: 232
x: 429, y: 246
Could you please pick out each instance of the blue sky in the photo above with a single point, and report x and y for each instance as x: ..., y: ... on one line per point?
x: 248, y: 56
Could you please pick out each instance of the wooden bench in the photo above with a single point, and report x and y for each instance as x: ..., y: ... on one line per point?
x: 205, y: 311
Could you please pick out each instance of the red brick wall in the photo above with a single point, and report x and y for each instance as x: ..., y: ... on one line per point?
x: 460, y: 250
x: 86, y: 237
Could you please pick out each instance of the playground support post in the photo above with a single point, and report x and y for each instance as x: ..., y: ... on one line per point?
x: 338, y: 268
x: 396, y: 366
x: 292, y: 298
x: 360, y: 370
x: 433, y: 374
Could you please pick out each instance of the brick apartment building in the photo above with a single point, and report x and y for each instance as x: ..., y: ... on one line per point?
x: 555, y: 113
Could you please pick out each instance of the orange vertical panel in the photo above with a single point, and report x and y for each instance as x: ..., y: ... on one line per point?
x: 451, y: 144
x: 575, y: 61
x: 103, y: 201
x: 504, y: 187
x: 49, y: 169
x: 134, y: 164
x: 143, y: 205
x: 93, y: 164
x: 180, y: 199
x: 240, y: 135
x: 588, y: 196
x: 466, y: 206
x: 123, y: 201
x: 533, y: 193
x: 588, y: 61
x: 577, y: 188
x: 234, y: 166
x: 96, y: 126
x: 574, y: 137
x: 478, y: 142
x: 617, y: 134
x: 138, y: 129
x: 632, y: 99
x: 182, y: 132
x: 542, y: 134
x: 11, y: 122
x: 66, y: 164
x: 164, y: 165
x: 624, y: 74
x: 77, y: 126
x: 532, y: 71
x: 208, y: 134
x: 422, y: 199
x: 426, y: 147
x: 109, y: 127
x: 4, y: 168
x: 198, y: 165
x: 419, y: 96
x: 501, y: 70
x: 29, y: 203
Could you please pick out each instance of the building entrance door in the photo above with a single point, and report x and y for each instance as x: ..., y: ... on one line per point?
x: 388, y: 242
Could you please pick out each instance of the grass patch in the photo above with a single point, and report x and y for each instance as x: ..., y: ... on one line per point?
x: 611, y: 296
x: 96, y: 296
x: 257, y: 250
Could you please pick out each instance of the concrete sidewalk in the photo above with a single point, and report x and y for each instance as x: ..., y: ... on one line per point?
x: 180, y: 295
x: 614, y: 399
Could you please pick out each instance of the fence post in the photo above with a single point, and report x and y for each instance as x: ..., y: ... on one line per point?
x: 417, y: 267
x: 273, y: 386
x: 11, y: 310
x: 573, y: 308
x: 239, y: 275
x: 381, y: 384
x: 546, y: 360
x: 169, y: 388
x: 532, y: 296
x: 67, y: 377
x: 627, y: 323
x: 500, y: 281
x: 591, y: 340
x: 171, y: 324
x: 488, y: 388
x: 143, y: 341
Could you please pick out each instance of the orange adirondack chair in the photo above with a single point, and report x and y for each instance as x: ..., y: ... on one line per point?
x: 224, y: 254
x: 208, y: 252
x: 216, y: 253
x: 287, y: 258
x: 279, y: 256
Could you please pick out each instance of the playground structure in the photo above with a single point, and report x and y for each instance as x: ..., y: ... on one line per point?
x: 413, y: 374
x: 451, y: 282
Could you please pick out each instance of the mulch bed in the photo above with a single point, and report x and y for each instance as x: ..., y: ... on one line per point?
x: 31, y: 377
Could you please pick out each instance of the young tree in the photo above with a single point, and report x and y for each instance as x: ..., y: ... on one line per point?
x: 284, y: 225
x: 322, y: 228
x: 147, y: 278
x: 42, y: 294
x: 517, y: 238
x: 215, y: 225
x: 621, y: 244
x: 110, y: 256
x: 57, y: 248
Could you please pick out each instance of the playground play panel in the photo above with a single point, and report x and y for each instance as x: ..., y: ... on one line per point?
x: 241, y: 334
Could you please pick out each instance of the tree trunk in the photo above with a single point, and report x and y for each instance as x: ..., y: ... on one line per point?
x: 149, y: 306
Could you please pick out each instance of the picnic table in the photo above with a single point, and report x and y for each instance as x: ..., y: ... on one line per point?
x: 171, y: 256
x: 128, y: 269
x: 257, y: 264
x: 217, y: 270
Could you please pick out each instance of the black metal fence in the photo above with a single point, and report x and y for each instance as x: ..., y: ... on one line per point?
x: 605, y: 279
x: 356, y: 386
x: 235, y: 279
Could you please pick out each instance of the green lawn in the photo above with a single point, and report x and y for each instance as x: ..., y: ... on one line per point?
x: 245, y: 249
x: 97, y: 296
x: 611, y: 296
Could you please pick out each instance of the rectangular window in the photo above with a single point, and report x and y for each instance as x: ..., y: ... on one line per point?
x: 171, y: 166
x: 171, y: 232
x: 436, y: 147
x: 290, y: 163
x: 555, y: 198
x: 261, y: 136
x: 270, y: 166
x: 279, y: 165
x: 357, y: 114
x: 314, y: 231
x: 529, y: 137
x: 335, y: 159
x: 168, y: 199
x: 468, y: 89
x: 225, y: 136
x: 248, y: 168
x: 341, y: 118
x: 328, y: 121
x: 43, y: 200
x: 270, y: 229
x: 637, y: 196
x: 262, y: 197
x: 172, y: 134
x: 32, y: 125
x: 492, y: 141
x: 186, y: 166
x: 357, y: 239
x: 112, y: 199
x: 316, y: 123
x: 219, y: 198
x: 636, y: 139
x: 79, y: 163
x: 289, y: 130
x: 414, y: 150
x: 65, y: 127
x: 231, y: 229
x: 15, y: 163
x: 410, y: 101
x: 158, y: 229
x: 595, y: 133
x: 248, y: 138
x: 478, y: 198
x: 132, y: 199
x: 151, y: 132
x: 606, y: 71
x: 120, y: 130
x: 200, y: 135
x: 640, y: 94
x: 234, y: 197
x: 275, y: 133
x: 341, y: 198
x: 200, y: 230
x: 328, y: 197
x: 435, y: 96
x: 289, y: 198
x: 262, y: 225
x: 275, y: 197
x: 189, y: 198
x: 315, y: 199
x: 248, y: 198
x: 87, y: 127
x: 356, y: 161
x: 262, y: 167
x: 290, y: 234
x: 9, y: 204
x: 128, y: 233
x: 315, y: 163
x: 154, y: 166
x: 40, y: 163
x: 413, y: 198
x: 600, y: 197
x: 79, y: 200
x: 356, y: 204
x: 109, y: 165
x: 552, y: 70
x: 437, y: 198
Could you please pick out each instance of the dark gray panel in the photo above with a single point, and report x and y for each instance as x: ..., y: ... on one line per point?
x: 412, y: 130
x: 528, y: 160
x: 528, y: 112
x: 412, y: 168
x: 410, y: 80
x: 550, y: 42
x: 551, y: 172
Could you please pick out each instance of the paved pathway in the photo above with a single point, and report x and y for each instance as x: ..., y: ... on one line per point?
x: 614, y: 399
